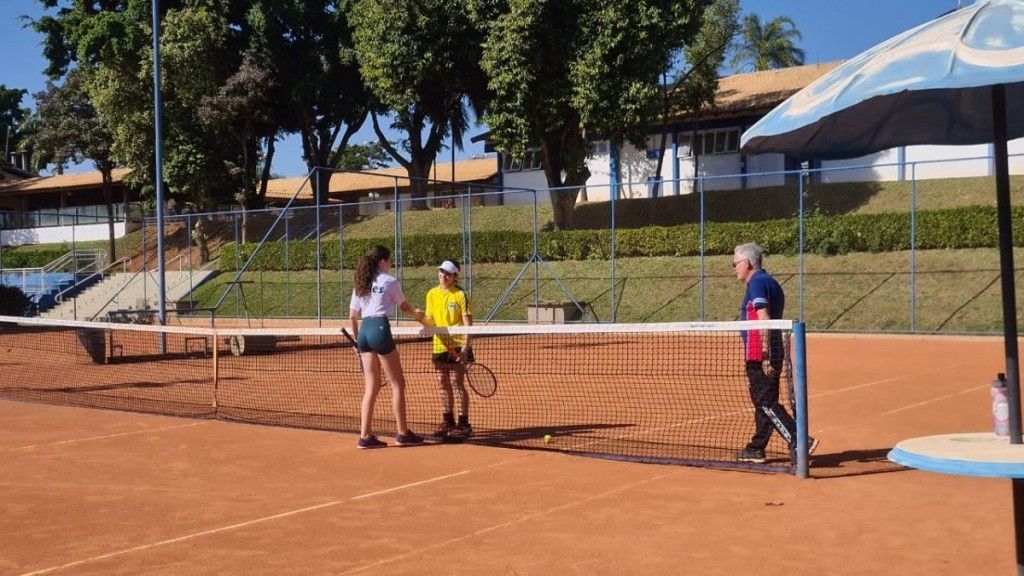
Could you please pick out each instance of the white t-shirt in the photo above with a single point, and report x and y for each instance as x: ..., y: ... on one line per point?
x: 385, y: 295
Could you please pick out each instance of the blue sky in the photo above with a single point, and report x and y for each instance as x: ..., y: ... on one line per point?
x: 831, y: 31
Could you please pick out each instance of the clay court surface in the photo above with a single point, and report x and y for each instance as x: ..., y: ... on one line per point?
x: 88, y: 491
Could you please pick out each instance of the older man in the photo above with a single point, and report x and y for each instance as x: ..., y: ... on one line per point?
x: 764, y: 353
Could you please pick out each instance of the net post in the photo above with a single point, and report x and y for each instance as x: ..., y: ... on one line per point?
x: 216, y: 371
x: 800, y: 392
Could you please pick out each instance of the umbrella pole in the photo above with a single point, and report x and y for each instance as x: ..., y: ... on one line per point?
x: 1009, y: 303
x: 1006, y: 270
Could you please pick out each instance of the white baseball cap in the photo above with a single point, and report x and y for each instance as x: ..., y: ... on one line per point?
x: 449, y: 267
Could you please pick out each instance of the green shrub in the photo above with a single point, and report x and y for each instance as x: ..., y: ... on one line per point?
x: 22, y: 258
x: 971, y: 227
x: 13, y: 302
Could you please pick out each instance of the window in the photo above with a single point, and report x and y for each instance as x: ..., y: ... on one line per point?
x: 538, y: 161
x: 598, y: 147
x: 531, y: 160
x: 654, y: 146
x: 712, y: 142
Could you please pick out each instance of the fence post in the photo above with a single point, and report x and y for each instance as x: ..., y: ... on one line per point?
x: 536, y: 252
x: 913, y: 244
x: 238, y: 264
x: 612, y: 241
x: 700, y: 192
x: 319, y: 300
x: 287, y: 267
x: 74, y: 265
x: 467, y: 257
x: 188, y: 247
x: 341, y: 259
x: 397, y: 255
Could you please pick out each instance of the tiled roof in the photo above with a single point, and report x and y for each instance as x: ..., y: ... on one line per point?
x: 10, y: 173
x: 74, y: 181
x: 758, y: 92
x: 475, y: 170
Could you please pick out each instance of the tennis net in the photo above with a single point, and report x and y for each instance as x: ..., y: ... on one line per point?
x: 664, y: 393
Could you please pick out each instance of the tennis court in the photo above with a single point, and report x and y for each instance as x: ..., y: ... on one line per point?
x: 90, y: 491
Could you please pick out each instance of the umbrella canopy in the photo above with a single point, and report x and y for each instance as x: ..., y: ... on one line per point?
x: 958, y: 79
x: 928, y: 85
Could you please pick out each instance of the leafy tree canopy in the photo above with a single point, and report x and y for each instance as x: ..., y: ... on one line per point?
x: 560, y: 71
x: 421, y: 62
x: 12, y: 116
x: 368, y: 156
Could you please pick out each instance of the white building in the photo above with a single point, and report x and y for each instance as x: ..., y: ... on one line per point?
x: 706, y: 149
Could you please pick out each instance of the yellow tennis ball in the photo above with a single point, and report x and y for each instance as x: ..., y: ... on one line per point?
x: 548, y: 438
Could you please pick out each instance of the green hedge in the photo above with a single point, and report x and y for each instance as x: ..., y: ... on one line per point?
x: 13, y: 302
x: 972, y: 227
x: 15, y: 258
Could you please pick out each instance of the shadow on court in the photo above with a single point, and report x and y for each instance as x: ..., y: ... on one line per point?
x: 853, y: 463
x: 537, y: 433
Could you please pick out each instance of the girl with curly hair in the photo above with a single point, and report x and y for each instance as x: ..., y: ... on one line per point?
x: 375, y: 296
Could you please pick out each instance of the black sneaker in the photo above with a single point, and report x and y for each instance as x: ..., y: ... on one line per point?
x: 370, y: 443
x: 461, y: 432
x: 755, y: 455
x: 408, y: 439
x: 441, y: 433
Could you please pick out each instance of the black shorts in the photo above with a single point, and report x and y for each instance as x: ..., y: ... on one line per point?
x: 447, y: 358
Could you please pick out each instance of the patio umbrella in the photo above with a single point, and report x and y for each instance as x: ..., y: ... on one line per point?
x: 958, y: 79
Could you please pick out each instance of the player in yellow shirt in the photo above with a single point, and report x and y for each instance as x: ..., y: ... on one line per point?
x: 448, y: 305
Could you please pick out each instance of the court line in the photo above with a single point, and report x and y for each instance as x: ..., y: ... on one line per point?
x: 264, y: 519
x: 520, y: 520
x: 883, y: 381
x: 91, y: 438
x: 933, y: 400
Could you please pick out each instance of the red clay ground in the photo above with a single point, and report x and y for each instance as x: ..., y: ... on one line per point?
x: 86, y: 491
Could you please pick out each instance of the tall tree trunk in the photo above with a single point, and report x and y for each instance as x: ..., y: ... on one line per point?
x: 265, y: 174
x: 563, y: 192
x: 656, y: 190
x: 322, y: 184
x: 245, y: 221
x: 563, y: 201
x: 419, y: 184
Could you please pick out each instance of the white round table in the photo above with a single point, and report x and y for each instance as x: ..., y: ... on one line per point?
x: 971, y: 454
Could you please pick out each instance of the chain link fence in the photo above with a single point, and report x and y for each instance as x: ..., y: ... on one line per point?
x: 857, y: 248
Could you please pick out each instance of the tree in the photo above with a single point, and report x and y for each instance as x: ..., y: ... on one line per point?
x: 421, y: 63
x: 321, y: 94
x: 368, y: 156
x: 696, y: 86
x: 203, y: 44
x: 14, y: 302
x: 70, y: 130
x: 242, y: 109
x: 560, y: 71
x: 12, y: 116
x: 111, y: 41
x: 769, y: 45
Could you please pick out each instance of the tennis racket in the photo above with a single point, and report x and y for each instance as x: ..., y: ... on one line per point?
x: 354, y: 347
x: 480, y: 378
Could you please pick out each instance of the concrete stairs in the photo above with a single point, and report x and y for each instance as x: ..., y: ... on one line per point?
x: 128, y: 291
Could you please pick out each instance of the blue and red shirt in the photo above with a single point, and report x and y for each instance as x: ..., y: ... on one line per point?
x: 763, y: 291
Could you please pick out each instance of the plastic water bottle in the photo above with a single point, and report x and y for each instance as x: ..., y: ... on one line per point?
x: 1000, y: 406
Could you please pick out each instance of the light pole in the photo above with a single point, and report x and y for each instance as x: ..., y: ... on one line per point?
x: 158, y: 134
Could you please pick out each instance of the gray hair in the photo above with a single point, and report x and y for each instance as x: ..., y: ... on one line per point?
x: 751, y: 252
